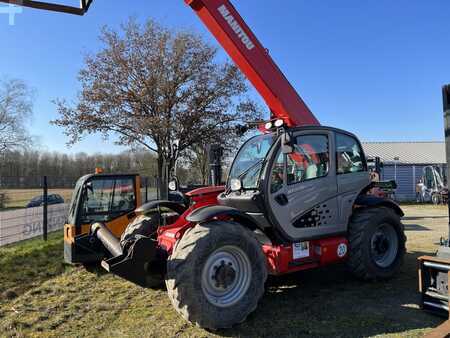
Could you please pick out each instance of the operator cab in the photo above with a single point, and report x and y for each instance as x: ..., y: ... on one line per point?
x: 301, y: 181
x: 106, y: 198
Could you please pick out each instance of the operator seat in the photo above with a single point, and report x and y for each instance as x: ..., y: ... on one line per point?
x: 311, y: 171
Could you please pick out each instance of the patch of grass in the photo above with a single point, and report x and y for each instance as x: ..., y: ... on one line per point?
x: 29, y: 263
x: 325, y: 302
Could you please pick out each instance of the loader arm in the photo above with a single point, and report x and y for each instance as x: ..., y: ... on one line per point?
x: 231, y: 31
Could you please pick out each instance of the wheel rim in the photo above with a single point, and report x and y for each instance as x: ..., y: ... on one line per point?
x: 384, y: 245
x: 226, y: 276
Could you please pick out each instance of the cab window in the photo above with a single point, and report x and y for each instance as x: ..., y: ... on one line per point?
x: 277, y: 177
x: 105, y: 199
x: 309, y: 160
x: 249, y: 161
x: 349, y: 156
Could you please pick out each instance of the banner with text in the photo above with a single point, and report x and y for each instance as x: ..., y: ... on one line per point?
x: 18, y: 225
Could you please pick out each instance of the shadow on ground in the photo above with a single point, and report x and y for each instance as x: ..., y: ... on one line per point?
x: 330, y: 302
x: 416, y: 227
x: 417, y: 218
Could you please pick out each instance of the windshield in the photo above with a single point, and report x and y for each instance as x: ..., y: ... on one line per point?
x: 106, y: 198
x: 249, y: 161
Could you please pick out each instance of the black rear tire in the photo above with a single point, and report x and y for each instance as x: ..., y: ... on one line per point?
x: 436, y: 198
x: 365, y: 260
x: 192, y: 263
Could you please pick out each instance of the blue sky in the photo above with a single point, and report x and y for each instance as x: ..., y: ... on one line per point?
x: 372, y: 67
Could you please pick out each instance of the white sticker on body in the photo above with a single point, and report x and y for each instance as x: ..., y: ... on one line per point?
x: 342, y: 250
x: 300, y: 250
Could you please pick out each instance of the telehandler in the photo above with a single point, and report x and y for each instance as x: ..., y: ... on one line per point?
x: 296, y: 198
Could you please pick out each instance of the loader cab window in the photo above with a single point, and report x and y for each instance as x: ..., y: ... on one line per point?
x: 107, y: 198
x: 277, y: 178
x: 349, y: 155
x: 249, y: 161
x: 310, y: 159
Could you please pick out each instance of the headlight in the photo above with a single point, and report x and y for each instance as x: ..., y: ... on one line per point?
x: 173, y: 185
x: 268, y: 125
x: 279, y: 123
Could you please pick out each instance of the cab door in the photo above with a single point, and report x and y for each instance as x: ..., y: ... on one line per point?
x: 302, y: 196
x: 352, y: 173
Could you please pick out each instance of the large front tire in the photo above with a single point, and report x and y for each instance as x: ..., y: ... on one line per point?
x: 377, y: 243
x: 216, y: 274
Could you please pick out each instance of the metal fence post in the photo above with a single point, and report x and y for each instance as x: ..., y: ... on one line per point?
x: 45, y: 208
x: 157, y: 186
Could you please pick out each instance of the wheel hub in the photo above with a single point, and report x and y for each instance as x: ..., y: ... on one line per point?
x: 384, y: 245
x: 381, y: 244
x: 226, y: 276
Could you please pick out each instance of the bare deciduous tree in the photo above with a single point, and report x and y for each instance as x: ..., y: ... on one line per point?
x: 153, y: 86
x: 16, y: 105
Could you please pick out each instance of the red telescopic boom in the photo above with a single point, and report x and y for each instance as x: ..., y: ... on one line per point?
x: 253, y: 59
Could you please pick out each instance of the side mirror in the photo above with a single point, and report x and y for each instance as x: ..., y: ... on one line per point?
x: 286, y: 143
x: 173, y: 184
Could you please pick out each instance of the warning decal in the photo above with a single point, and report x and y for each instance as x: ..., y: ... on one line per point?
x: 300, y: 250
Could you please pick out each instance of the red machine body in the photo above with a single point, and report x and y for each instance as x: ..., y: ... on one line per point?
x: 281, y: 259
x: 231, y: 31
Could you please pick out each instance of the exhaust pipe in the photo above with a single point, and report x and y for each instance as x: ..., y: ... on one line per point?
x: 105, y: 236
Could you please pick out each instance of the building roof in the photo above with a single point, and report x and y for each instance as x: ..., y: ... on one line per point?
x: 406, y: 152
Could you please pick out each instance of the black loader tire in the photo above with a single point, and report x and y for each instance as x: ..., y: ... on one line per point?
x: 141, y: 226
x: 184, y: 279
x: 145, y: 225
x: 363, y: 225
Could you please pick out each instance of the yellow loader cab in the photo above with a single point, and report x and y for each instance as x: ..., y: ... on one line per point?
x: 108, y: 198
